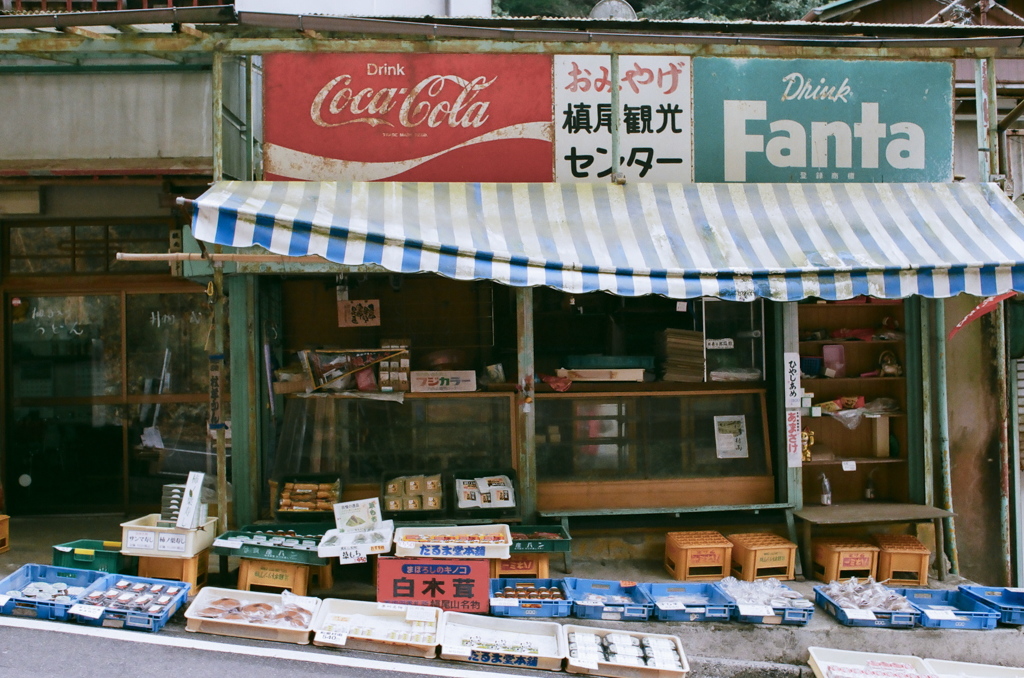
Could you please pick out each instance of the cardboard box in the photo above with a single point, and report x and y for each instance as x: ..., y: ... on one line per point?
x: 462, y: 585
x: 443, y: 381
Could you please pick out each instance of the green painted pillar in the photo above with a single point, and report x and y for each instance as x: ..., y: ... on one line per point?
x: 246, y: 396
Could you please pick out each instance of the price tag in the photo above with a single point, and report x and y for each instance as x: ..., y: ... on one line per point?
x: 140, y: 539
x: 331, y: 637
x: 940, y: 614
x: 171, y: 542
x: 585, y: 663
x: 681, y: 306
x: 675, y: 605
x: 756, y: 610
x: 227, y: 543
x: 459, y: 650
x: 90, y: 611
x: 866, y: 615
x: 849, y: 466
x: 504, y: 602
x: 394, y: 607
x: 4, y: 600
x: 421, y: 613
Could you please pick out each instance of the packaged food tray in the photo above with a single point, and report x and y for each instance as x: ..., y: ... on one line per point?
x: 546, y: 635
x: 1009, y: 603
x: 414, y: 514
x: 353, y: 639
x: 30, y: 607
x: 529, y: 607
x: 941, y: 668
x: 133, y: 619
x: 243, y: 629
x: 584, y: 591
x: 719, y: 606
x: 756, y: 614
x: 284, y: 515
x: 449, y: 546
x: 881, y: 618
x: 452, y: 501
x: 823, y: 657
x: 950, y: 609
x: 606, y: 668
x: 229, y: 544
x: 142, y: 537
x: 540, y: 539
x: 93, y: 554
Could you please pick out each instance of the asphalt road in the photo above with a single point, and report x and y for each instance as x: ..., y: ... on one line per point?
x: 31, y: 648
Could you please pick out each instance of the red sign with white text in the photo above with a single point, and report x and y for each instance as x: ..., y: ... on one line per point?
x: 408, y: 117
x: 456, y: 585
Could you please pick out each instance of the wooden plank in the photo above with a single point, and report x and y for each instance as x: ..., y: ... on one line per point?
x: 626, y: 494
x: 866, y: 513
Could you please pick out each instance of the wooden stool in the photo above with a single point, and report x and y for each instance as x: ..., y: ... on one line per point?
x: 192, y: 570
x: 521, y: 565
x: 274, y: 574
x: 323, y: 576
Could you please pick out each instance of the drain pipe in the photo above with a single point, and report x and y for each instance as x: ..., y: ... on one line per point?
x: 1002, y: 403
x: 942, y: 417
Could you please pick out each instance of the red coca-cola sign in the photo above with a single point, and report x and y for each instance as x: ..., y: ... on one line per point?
x: 408, y: 117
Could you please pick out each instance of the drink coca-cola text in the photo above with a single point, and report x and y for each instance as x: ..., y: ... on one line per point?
x: 434, y: 101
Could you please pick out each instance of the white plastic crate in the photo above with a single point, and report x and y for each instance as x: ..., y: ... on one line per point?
x: 604, y: 668
x: 334, y: 626
x: 824, y: 658
x: 244, y: 629
x: 947, y: 669
x: 497, y: 639
x: 142, y: 537
x: 452, y: 546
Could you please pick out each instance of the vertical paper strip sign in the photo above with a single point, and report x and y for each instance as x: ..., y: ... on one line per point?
x: 191, y: 501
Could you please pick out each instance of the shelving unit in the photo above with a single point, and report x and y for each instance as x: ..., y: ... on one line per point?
x: 878, y: 446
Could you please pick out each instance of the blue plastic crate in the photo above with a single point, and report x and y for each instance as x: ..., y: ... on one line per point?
x: 133, y: 619
x: 970, y: 613
x: 883, y: 618
x: 719, y: 605
x: 790, y: 616
x: 1009, y: 603
x: 519, y: 607
x: 29, y: 607
x: 639, y: 608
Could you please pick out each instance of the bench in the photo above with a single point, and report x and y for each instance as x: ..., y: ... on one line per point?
x: 563, y: 516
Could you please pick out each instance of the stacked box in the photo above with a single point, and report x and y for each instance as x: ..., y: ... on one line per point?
x: 413, y: 493
x: 902, y: 560
x: 697, y: 556
x: 394, y: 372
x: 760, y: 555
x: 170, y: 503
x: 836, y: 559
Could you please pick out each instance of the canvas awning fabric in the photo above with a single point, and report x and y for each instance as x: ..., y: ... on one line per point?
x: 783, y: 242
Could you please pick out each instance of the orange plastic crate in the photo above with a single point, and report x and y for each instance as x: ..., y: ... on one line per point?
x: 903, y: 560
x: 759, y: 555
x: 697, y: 556
x: 836, y: 559
x: 522, y: 565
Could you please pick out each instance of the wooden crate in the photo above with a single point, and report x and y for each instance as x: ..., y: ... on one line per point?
x: 193, y: 570
x: 522, y: 565
x: 5, y: 533
x: 759, y: 555
x: 273, y: 574
x: 697, y: 556
x: 903, y: 560
x: 836, y: 559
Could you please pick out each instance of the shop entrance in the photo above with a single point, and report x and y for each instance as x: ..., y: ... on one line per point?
x: 106, y: 397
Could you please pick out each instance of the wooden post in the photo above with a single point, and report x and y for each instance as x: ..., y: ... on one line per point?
x: 527, y: 422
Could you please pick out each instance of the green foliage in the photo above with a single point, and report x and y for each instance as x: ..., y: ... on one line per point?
x: 758, y: 10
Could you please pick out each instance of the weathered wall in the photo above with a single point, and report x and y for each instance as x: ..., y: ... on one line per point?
x: 974, y: 444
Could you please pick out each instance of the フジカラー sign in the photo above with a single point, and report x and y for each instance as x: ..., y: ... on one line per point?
x: 797, y: 120
x: 457, y: 585
x: 408, y: 117
x: 653, y: 117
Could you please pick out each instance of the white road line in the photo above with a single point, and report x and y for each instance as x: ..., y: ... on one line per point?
x: 248, y: 650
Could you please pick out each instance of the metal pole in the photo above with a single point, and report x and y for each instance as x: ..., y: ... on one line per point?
x: 219, y: 317
x: 615, y: 116
x: 981, y: 117
x: 992, y: 118
x: 942, y: 414
x: 218, y: 116
x: 1002, y: 403
x: 525, y: 404
x: 927, y: 402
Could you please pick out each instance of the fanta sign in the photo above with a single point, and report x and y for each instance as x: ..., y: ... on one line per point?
x: 773, y: 120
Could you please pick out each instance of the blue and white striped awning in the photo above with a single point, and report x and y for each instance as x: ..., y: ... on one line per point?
x: 734, y: 241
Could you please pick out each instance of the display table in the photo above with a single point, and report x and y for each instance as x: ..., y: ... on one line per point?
x: 869, y: 513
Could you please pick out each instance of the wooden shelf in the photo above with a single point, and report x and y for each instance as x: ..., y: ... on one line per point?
x: 846, y: 380
x: 849, y: 342
x: 858, y: 460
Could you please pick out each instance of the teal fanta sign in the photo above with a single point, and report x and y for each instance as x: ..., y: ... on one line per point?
x: 793, y: 120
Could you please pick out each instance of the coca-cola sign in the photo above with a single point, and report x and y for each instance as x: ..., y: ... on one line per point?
x: 418, y: 117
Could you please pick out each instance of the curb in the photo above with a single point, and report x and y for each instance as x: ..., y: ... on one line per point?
x: 710, y: 667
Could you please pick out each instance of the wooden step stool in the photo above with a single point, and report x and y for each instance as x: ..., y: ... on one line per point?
x: 836, y: 559
x: 5, y: 533
x: 277, y: 574
x: 903, y: 560
x: 759, y: 555
x: 521, y: 565
x: 697, y: 556
x: 192, y: 570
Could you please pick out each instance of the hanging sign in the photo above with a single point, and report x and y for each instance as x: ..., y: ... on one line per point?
x: 408, y: 117
x: 654, y: 118
x: 791, y: 374
x: 358, y: 312
x: 822, y: 120
x: 985, y: 307
x: 216, y: 370
x: 794, y: 443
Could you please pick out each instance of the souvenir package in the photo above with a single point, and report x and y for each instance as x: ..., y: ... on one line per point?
x: 413, y: 493
x: 487, y: 492
x: 589, y: 647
